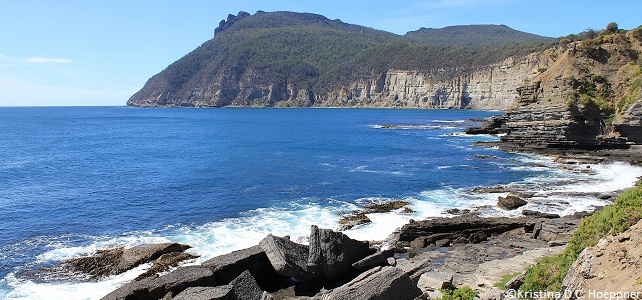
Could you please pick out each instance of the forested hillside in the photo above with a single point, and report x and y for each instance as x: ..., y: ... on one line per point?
x: 267, y: 58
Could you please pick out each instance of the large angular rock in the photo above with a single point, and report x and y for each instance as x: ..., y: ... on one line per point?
x: 119, y: 260
x: 333, y: 253
x: 510, y: 202
x: 158, y: 286
x: 229, y: 266
x: 377, y: 283
x: 287, y: 258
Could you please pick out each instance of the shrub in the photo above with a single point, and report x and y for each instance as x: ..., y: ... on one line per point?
x: 462, y: 293
x: 637, y: 33
x: 587, y: 34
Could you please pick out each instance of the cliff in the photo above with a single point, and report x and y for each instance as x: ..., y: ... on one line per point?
x: 492, y: 87
x: 306, y: 60
x: 587, y: 96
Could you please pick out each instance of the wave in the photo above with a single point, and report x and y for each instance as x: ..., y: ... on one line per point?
x: 409, y: 127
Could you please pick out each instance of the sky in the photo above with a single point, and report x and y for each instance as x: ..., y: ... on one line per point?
x: 100, y: 52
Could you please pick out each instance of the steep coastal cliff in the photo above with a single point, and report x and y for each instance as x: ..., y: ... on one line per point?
x: 493, y: 87
x: 303, y: 60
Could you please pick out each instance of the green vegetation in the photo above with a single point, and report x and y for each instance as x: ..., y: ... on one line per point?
x: 594, y: 91
x: 494, y: 36
x: 502, y: 282
x: 635, y: 88
x: 462, y: 293
x: 548, y: 273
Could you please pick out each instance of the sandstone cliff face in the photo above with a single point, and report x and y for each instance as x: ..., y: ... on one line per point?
x: 491, y: 88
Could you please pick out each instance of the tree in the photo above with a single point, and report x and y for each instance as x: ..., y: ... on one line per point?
x: 587, y: 34
x: 612, y: 27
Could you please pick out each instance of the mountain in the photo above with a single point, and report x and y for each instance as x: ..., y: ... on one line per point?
x: 473, y: 36
x: 302, y: 59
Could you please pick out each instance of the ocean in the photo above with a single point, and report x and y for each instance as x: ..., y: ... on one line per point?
x: 77, y: 179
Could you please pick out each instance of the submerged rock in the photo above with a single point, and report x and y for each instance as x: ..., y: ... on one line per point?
x: 165, y: 262
x: 118, y: 260
x: 352, y: 220
x: 359, y: 218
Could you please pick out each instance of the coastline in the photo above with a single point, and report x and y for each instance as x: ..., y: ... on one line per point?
x: 464, y: 250
x: 499, y: 252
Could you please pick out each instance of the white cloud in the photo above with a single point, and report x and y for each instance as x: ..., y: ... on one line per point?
x: 18, y: 92
x: 48, y: 60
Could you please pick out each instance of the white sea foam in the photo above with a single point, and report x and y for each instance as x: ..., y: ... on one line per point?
x: 208, y: 240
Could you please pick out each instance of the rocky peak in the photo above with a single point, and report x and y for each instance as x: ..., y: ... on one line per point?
x: 231, y: 19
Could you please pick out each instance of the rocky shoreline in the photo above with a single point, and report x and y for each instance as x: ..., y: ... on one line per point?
x: 417, y: 260
x: 414, y: 262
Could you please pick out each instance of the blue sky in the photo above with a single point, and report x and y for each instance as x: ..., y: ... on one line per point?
x: 100, y: 52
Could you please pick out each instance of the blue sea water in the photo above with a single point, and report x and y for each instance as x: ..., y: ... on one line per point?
x: 77, y: 179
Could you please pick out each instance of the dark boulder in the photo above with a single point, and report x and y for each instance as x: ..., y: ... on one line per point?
x: 333, y: 253
x: 288, y: 258
x: 510, y: 202
x: 377, y: 283
x: 229, y: 266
